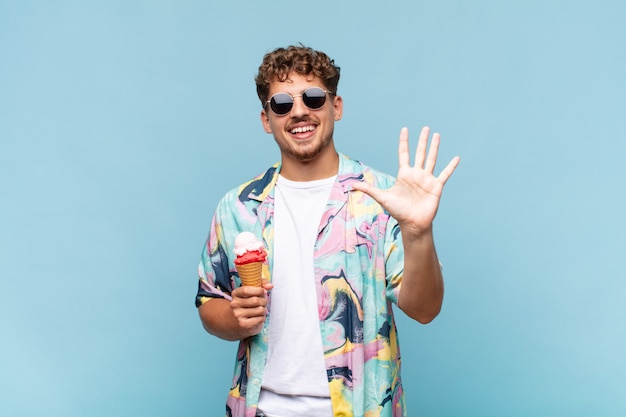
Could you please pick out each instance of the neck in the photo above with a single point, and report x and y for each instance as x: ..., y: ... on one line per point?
x: 323, y: 166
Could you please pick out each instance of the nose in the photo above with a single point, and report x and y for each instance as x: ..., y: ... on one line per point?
x: 299, y: 108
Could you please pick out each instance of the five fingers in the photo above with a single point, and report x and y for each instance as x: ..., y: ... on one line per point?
x: 423, y: 159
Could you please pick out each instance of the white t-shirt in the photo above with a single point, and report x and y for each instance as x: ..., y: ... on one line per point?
x: 295, y: 381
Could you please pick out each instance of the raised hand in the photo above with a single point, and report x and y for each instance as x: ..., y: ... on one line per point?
x: 414, y: 199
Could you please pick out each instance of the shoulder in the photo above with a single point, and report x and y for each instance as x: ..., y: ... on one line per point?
x: 353, y: 170
x: 255, y: 189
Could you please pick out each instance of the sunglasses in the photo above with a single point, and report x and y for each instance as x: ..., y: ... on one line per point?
x: 313, y: 97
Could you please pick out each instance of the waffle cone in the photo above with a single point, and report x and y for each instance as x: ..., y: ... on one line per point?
x: 250, y: 274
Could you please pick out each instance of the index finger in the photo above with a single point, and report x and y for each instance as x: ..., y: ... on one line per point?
x: 247, y: 291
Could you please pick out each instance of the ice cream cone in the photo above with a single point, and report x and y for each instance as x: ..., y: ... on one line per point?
x: 250, y: 273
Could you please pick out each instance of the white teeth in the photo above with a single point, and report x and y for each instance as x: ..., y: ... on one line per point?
x: 303, y: 129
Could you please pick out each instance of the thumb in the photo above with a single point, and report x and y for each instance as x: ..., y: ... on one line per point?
x: 266, y: 284
x: 368, y: 189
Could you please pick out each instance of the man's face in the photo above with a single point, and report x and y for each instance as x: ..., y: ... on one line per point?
x: 303, y: 134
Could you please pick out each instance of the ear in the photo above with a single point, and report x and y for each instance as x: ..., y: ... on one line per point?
x: 338, y: 107
x: 265, y: 120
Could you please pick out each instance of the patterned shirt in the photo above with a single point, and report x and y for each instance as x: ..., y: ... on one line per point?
x: 358, y: 271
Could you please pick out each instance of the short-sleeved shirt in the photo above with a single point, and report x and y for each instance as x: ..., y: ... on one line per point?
x: 358, y: 261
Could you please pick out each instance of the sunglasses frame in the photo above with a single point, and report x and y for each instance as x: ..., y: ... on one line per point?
x: 293, y: 99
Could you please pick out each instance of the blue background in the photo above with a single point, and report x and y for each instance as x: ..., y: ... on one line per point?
x: 123, y: 122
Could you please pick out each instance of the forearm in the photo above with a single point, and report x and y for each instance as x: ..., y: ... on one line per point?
x: 421, y: 292
x: 243, y: 316
x: 218, y: 319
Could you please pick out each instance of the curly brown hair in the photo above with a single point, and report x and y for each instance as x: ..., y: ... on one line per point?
x: 279, y: 63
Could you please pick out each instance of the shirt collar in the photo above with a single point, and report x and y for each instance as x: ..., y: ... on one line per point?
x: 263, y: 185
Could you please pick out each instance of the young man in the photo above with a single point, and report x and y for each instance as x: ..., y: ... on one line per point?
x: 344, y: 243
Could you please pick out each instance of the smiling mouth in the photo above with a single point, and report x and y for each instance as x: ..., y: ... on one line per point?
x: 302, y: 129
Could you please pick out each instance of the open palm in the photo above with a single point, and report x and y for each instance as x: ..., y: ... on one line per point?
x: 414, y: 199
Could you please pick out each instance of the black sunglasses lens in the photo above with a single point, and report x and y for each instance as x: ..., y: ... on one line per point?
x: 314, y: 98
x: 281, y: 103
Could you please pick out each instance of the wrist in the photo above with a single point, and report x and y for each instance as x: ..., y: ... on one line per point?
x: 412, y: 234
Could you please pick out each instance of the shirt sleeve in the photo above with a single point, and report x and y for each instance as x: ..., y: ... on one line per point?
x: 394, y: 259
x: 213, y: 270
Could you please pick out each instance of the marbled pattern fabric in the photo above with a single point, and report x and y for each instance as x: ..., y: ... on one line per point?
x: 358, y: 271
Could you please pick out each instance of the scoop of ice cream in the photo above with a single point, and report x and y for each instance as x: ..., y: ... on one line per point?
x: 249, y: 249
x: 246, y: 242
x: 251, y: 256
